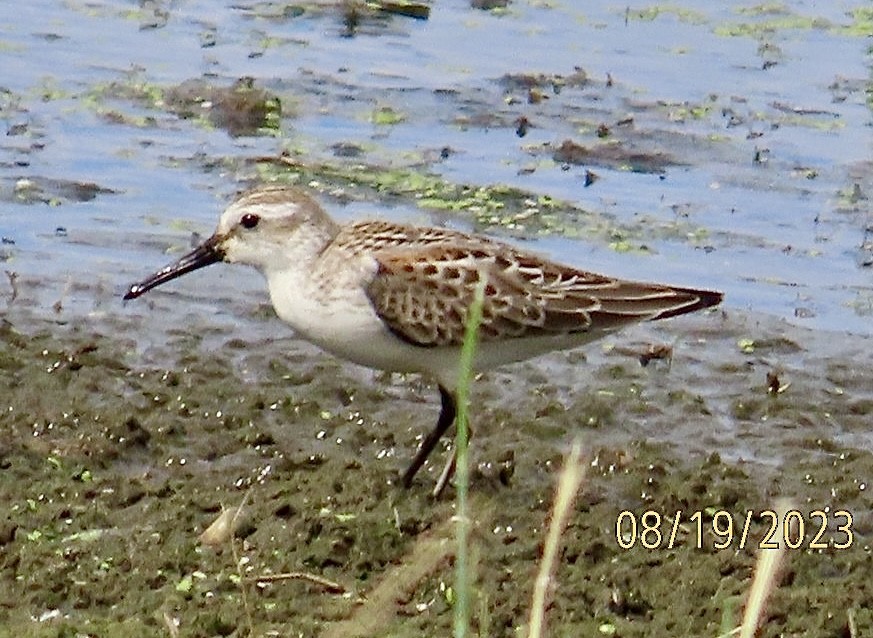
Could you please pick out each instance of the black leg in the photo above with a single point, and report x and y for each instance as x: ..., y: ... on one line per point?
x: 447, y: 417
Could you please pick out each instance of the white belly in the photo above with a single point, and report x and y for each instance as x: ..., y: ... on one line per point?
x: 342, y: 322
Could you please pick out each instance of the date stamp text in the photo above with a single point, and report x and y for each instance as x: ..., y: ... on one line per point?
x: 793, y: 529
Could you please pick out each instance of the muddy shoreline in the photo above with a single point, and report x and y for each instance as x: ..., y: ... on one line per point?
x: 113, y: 466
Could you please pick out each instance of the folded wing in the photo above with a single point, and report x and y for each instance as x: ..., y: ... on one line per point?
x: 423, y: 293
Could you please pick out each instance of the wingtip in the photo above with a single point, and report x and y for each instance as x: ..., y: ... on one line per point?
x: 694, y: 300
x: 709, y: 298
x: 700, y: 300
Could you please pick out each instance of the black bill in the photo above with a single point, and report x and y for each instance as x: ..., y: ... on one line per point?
x: 206, y: 253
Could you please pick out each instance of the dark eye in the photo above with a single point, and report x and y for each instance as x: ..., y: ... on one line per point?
x: 249, y: 220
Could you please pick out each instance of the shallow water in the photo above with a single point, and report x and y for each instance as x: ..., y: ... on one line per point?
x: 708, y: 85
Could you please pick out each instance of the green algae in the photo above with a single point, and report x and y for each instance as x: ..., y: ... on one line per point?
x: 114, y: 465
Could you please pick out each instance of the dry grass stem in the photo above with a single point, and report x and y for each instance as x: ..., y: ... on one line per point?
x: 764, y: 581
x: 568, y: 486
x: 431, y: 551
x: 171, y: 624
x: 328, y: 585
x: 853, y: 628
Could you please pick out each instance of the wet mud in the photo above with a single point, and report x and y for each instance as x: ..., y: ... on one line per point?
x: 116, y: 457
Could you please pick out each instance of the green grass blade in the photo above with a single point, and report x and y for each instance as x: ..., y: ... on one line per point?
x: 462, y: 470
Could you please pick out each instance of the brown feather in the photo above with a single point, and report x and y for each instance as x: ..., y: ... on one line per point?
x: 426, y: 278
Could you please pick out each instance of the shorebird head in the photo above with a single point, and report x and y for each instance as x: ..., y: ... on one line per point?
x: 270, y: 228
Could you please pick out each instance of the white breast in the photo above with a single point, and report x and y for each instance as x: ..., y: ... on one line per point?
x: 340, y: 319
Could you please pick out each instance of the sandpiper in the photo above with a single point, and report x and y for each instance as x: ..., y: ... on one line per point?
x: 396, y: 297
